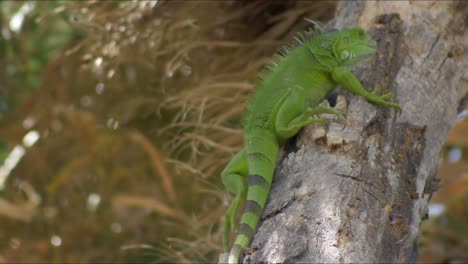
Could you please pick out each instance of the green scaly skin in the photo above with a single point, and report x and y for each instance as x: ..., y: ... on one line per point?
x: 286, y: 101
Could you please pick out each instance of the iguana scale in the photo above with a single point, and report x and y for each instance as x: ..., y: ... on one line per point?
x: 287, y: 100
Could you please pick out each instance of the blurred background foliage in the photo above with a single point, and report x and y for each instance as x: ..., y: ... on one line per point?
x: 117, y: 117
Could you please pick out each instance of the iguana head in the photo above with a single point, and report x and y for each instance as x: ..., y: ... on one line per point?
x: 345, y: 47
x: 352, y: 46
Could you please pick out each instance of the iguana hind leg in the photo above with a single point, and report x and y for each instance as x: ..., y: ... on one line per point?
x: 294, y: 115
x: 234, y: 177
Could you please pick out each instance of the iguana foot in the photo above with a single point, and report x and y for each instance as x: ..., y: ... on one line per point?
x: 326, y: 110
x: 374, y: 97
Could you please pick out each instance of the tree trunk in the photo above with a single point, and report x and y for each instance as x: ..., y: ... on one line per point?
x: 357, y: 192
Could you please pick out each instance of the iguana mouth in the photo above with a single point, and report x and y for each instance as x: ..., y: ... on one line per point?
x: 367, y: 51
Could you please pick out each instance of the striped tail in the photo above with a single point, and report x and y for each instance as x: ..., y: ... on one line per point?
x: 262, y: 151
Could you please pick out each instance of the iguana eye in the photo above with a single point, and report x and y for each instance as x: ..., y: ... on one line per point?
x: 361, y: 34
x: 344, y: 55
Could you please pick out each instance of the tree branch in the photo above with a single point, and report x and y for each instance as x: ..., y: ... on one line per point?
x: 358, y: 192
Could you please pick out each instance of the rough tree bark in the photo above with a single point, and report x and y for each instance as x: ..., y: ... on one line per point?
x: 358, y: 192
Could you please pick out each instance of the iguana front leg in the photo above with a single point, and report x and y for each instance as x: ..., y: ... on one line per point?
x: 345, y: 77
x: 294, y: 115
x: 234, y: 177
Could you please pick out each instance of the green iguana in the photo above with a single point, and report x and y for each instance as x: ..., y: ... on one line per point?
x: 287, y: 100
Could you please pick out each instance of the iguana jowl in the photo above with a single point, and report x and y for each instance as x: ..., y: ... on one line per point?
x: 286, y: 101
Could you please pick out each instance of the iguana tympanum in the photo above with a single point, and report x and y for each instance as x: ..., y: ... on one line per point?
x: 287, y: 100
